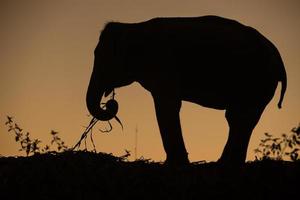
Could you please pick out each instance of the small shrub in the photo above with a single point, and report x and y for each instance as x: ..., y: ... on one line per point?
x: 32, y: 146
x: 286, y: 147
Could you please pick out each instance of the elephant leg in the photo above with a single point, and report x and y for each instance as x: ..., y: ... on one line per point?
x: 167, y: 113
x: 241, y: 124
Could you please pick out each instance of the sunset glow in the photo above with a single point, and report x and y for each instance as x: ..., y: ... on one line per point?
x: 47, y: 58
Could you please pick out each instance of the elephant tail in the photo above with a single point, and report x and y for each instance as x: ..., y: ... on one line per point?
x: 281, y: 78
x: 283, y: 81
x: 280, y: 73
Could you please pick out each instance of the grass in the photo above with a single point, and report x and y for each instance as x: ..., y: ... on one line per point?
x: 88, y: 175
x: 59, y: 172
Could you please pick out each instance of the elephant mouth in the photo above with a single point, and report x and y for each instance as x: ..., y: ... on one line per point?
x: 108, y: 91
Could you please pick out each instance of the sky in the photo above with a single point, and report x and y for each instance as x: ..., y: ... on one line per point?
x: 46, y: 61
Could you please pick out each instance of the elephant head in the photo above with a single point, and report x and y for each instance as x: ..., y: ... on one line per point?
x: 108, y: 74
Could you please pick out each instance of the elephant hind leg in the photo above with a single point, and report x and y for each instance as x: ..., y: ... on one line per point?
x: 241, y: 124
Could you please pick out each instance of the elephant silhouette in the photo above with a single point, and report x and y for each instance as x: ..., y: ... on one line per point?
x: 208, y: 60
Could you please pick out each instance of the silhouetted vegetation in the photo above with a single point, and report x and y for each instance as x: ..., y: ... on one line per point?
x: 88, y: 175
x: 33, y: 146
x: 70, y: 174
x: 88, y: 129
x: 286, y: 147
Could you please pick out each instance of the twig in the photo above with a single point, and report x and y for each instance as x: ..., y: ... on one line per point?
x: 93, y: 141
x: 86, y: 131
x: 107, y: 130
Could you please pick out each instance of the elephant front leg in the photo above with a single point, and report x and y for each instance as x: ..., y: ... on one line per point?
x: 167, y: 113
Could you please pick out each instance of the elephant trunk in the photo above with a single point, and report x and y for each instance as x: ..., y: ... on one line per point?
x: 93, y: 99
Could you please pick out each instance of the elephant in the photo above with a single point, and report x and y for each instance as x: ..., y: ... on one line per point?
x: 211, y: 61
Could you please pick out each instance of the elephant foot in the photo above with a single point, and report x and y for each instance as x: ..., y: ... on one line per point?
x: 230, y: 162
x: 178, y: 161
x: 230, y: 169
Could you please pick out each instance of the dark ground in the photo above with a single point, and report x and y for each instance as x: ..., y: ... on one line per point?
x: 86, y: 175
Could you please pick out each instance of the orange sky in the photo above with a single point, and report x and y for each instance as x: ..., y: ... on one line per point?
x: 47, y: 56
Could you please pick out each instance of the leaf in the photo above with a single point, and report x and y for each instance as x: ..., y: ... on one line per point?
x: 264, y: 140
x: 27, y: 140
x: 295, y: 150
x: 273, y: 146
x: 279, y: 147
x: 296, y: 130
x: 294, y: 138
x: 46, y: 148
x: 9, y: 120
x: 28, y: 147
x: 257, y: 151
x: 290, y: 144
x: 53, y: 132
x: 294, y: 156
x: 18, y: 128
x: 275, y: 139
x: 268, y: 135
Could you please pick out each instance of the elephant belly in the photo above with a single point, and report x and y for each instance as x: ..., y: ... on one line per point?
x: 208, y: 99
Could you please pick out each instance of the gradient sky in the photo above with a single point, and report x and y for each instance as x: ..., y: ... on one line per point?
x: 47, y: 57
